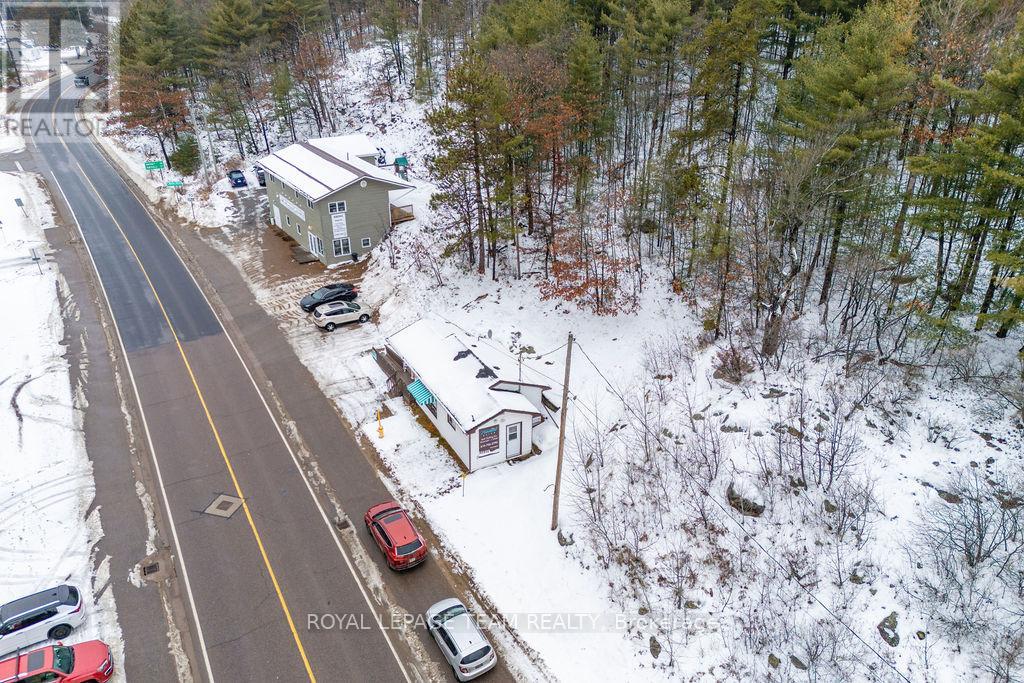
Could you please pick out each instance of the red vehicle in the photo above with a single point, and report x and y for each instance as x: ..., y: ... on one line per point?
x: 393, y: 531
x: 88, y: 662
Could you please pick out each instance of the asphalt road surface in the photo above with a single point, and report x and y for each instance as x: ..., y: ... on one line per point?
x: 252, y: 573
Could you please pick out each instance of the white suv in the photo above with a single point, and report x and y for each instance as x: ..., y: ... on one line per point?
x: 329, y: 316
x: 52, y: 613
x: 460, y: 639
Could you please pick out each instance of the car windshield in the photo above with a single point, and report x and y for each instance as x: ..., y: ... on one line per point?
x: 235, y: 174
x: 451, y: 612
x: 410, y: 547
x: 476, y: 656
x: 63, y: 659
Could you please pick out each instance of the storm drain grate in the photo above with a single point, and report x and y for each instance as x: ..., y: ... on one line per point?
x: 152, y: 568
x: 223, y: 506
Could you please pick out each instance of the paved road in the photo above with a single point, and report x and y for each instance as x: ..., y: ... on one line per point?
x: 254, y: 576
x: 210, y: 432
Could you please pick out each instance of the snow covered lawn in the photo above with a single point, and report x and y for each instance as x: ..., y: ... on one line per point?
x: 47, y: 530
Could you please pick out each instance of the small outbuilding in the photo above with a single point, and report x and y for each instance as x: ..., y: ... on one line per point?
x: 330, y: 195
x: 483, y: 410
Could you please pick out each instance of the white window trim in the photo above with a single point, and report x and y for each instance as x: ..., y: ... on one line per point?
x: 366, y: 243
x: 337, y: 207
x: 343, y: 240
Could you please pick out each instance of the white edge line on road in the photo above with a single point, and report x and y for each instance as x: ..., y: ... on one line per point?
x: 142, y: 415
x: 277, y: 426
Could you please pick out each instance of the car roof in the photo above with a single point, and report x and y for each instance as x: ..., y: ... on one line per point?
x: 29, y: 603
x: 25, y: 663
x: 400, y: 529
x: 464, y: 631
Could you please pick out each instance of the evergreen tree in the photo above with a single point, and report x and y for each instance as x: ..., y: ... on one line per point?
x: 185, y: 159
x: 844, y: 96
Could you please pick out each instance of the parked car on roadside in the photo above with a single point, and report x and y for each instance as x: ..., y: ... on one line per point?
x: 52, y: 613
x: 329, y: 316
x: 82, y: 81
x: 88, y: 662
x: 460, y: 639
x: 261, y: 176
x: 237, y: 178
x: 340, y: 291
x: 394, y: 533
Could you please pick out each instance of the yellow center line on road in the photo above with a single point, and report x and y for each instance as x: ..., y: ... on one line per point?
x: 209, y: 419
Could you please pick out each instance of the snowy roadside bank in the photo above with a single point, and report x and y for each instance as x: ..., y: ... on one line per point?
x: 47, y: 530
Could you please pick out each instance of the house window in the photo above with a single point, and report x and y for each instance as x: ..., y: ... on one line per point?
x: 451, y: 422
x: 298, y: 229
x: 366, y: 243
x: 432, y: 407
x: 337, y: 207
x: 288, y: 220
x: 295, y: 193
x: 342, y: 247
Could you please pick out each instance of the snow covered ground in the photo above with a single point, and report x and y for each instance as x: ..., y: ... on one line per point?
x: 582, y: 612
x: 47, y: 530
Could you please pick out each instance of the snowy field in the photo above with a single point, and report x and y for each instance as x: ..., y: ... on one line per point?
x: 757, y: 596
x: 47, y: 530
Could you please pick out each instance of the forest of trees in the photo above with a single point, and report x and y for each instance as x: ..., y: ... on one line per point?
x: 857, y: 161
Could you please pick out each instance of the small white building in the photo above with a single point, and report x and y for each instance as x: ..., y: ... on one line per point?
x: 480, y: 405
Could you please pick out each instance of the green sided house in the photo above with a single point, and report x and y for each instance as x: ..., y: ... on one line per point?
x: 331, y: 197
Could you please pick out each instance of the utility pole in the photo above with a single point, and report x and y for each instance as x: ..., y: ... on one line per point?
x: 561, y: 434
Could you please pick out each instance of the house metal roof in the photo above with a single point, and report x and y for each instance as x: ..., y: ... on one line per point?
x: 320, y: 167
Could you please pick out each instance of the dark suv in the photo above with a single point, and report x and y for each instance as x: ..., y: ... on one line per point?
x: 341, y: 291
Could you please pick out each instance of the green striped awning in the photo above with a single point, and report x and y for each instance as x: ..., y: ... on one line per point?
x: 420, y: 393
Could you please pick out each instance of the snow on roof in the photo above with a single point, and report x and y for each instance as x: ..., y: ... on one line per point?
x: 317, y: 168
x: 450, y: 368
x: 507, y: 368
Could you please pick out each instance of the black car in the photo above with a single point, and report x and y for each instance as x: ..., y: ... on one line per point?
x: 81, y: 81
x: 341, y: 291
x: 261, y: 176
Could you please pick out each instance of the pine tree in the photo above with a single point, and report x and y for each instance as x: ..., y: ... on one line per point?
x: 990, y: 156
x: 467, y: 129
x: 154, y: 54
x: 844, y: 96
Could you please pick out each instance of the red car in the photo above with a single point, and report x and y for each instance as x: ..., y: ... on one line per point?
x: 393, y: 531
x: 88, y: 662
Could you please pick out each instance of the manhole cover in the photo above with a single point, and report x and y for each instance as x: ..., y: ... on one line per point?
x: 223, y: 506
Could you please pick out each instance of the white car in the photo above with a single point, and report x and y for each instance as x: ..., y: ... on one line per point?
x: 329, y: 316
x: 460, y: 639
x: 52, y: 613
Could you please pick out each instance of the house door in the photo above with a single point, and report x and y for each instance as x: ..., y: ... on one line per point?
x: 277, y: 215
x: 513, y: 442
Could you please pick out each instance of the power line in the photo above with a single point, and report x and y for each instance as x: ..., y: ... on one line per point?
x: 738, y: 524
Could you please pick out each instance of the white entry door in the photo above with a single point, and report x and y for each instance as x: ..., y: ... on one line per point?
x: 277, y: 215
x: 513, y: 440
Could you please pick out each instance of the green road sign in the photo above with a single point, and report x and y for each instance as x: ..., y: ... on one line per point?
x: 154, y: 165
x: 174, y: 183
